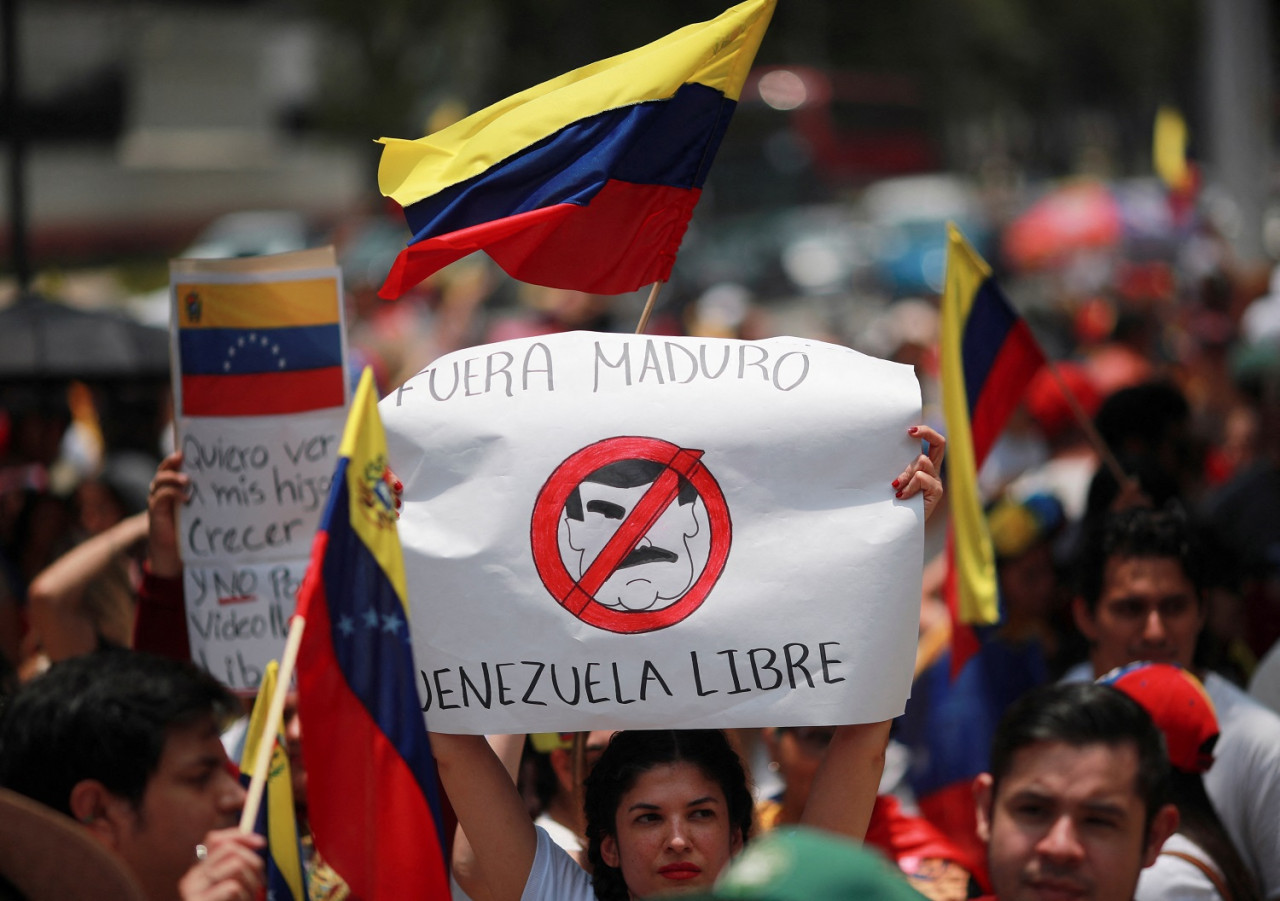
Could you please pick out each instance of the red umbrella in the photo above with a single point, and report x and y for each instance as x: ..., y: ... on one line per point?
x: 1083, y: 215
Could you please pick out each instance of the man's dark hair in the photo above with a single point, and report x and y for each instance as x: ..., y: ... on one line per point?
x: 103, y: 716
x: 1139, y: 532
x: 627, y: 474
x: 1080, y: 714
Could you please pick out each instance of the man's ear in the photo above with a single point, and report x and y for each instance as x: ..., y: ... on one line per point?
x: 982, y: 800
x: 609, y: 851
x: 1163, y: 825
x: 1084, y: 618
x: 98, y: 810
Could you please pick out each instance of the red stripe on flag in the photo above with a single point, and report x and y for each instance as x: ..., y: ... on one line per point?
x: 267, y: 394
x: 373, y: 823
x: 624, y: 239
x: 1002, y: 390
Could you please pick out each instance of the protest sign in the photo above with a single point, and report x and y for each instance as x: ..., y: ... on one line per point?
x: 605, y: 531
x: 260, y: 386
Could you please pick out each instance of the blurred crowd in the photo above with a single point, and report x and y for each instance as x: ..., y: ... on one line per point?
x: 1164, y: 396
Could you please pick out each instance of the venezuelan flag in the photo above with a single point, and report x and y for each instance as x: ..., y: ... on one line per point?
x: 277, y: 821
x: 373, y: 798
x: 988, y: 355
x: 586, y: 181
x: 260, y: 348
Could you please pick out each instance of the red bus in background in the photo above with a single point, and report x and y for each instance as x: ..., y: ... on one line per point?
x: 832, y: 128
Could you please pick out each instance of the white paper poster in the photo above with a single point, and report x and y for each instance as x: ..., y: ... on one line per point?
x: 260, y: 391
x: 607, y: 531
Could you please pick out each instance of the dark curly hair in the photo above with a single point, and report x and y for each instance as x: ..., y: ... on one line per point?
x: 634, y: 752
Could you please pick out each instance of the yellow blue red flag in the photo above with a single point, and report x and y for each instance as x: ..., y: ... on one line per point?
x: 373, y: 795
x: 259, y: 348
x: 584, y: 182
x: 988, y: 355
x: 277, y: 821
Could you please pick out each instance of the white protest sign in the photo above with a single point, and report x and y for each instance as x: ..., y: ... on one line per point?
x: 238, y: 616
x: 258, y: 486
x: 260, y: 390
x: 605, y: 531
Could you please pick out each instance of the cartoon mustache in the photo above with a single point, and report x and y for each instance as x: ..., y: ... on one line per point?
x: 648, y: 554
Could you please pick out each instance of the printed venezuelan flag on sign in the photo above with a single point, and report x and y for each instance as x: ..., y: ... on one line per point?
x: 259, y: 348
x: 277, y: 820
x: 584, y: 182
x: 373, y: 798
x: 988, y: 355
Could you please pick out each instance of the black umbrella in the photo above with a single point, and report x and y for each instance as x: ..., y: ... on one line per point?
x: 40, y: 339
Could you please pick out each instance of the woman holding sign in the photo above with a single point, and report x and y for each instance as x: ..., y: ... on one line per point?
x: 666, y: 810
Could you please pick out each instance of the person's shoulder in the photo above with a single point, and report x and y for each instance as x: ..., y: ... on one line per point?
x: 1081, y: 672
x: 555, y: 875
x: 1236, y: 707
x: 1173, y: 877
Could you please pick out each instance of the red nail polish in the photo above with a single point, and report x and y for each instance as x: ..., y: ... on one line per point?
x: 399, y: 485
x: 898, y: 494
x: 913, y: 430
x: 895, y: 483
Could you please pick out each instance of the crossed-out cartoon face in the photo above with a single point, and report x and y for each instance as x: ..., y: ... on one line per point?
x: 661, y: 567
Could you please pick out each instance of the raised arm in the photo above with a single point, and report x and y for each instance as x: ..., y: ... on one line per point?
x: 464, y: 865
x: 60, y: 623
x: 845, y: 786
x: 491, y: 813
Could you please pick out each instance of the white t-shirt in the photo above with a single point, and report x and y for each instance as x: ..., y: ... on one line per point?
x: 1244, y: 781
x: 562, y: 835
x: 555, y: 876
x: 1174, y: 879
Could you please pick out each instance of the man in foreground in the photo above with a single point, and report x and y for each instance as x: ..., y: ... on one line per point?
x: 1075, y: 805
x: 128, y: 745
x: 1142, y: 598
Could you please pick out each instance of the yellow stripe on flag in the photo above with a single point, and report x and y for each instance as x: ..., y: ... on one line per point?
x: 282, y: 824
x: 258, y: 304
x: 716, y: 54
x: 974, y: 555
x: 372, y: 504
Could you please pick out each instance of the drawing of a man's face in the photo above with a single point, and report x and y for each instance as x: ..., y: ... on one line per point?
x: 661, y: 567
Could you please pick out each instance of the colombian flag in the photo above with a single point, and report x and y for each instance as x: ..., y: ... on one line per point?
x: 277, y: 821
x: 988, y: 355
x: 372, y: 791
x: 584, y: 182
x: 260, y: 348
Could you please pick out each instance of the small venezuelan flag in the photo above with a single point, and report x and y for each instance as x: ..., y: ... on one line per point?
x: 373, y: 796
x: 584, y: 182
x: 988, y: 355
x: 277, y: 821
x: 260, y: 348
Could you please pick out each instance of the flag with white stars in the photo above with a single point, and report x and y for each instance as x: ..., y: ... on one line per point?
x: 258, y: 344
x: 373, y: 796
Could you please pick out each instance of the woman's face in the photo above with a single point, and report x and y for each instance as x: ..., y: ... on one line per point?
x: 673, y: 832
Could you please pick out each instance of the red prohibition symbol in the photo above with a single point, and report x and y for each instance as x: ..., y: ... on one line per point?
x: 677, y: 470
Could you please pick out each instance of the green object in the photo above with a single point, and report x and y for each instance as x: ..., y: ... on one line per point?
x: 800, y: 864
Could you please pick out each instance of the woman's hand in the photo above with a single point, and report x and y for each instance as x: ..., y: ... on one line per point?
x: 921, y: 475
x: 169, y: 488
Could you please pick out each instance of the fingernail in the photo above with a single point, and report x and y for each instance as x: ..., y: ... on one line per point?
x: 898, y: 493
x: 399, y: 485
x: 895, y: 483
x: 913, y: 430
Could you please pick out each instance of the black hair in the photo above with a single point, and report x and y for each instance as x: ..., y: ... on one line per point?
x: 632, y: 753
x: 103, y: 716
x: 1200, y: 823
x: 629, y: 473
x: 1080, y: 714
x: 1142, y: 533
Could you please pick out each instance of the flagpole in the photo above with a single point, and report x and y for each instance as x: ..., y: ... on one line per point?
x: 1095, y: 438
x: 271, y: 728
x: 648, y: 307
